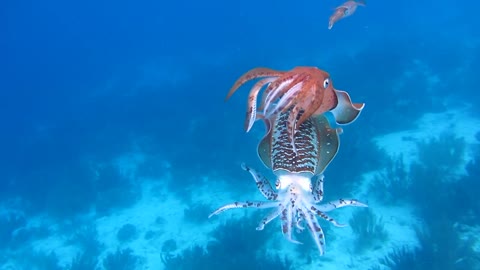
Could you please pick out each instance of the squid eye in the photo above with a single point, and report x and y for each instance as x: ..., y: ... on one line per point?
x: 326, y: 83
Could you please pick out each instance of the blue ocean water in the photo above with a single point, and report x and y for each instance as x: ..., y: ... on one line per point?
x: 86, y: 85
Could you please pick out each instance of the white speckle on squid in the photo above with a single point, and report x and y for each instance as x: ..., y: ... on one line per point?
x: 269, y: 98
x: 288, y: 96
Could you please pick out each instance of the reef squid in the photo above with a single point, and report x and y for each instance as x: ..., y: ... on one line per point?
x: 296, y: 197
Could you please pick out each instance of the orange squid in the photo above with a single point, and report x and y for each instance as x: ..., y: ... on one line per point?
x: 343, y: 11
x: 303, y: 91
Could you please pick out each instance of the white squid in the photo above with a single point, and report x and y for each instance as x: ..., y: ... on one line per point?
x: 298, y: 190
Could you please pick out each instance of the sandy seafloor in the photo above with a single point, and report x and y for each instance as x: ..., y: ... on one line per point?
x: 157, y: 201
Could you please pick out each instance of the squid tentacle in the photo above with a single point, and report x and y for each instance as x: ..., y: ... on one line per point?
x: 275, y: 89
x: 262, y: 182
x: 247, y: 204
x: 284, y: 101
x: 317, y: 190
x: 253, y: 74
x: 321, y: 214
x: 329, y: 206
x: 286, y: 218
x: 251, y: 116
x: 315, y: 229
x: 292, y: 126
x: 270, y: 217
x: 300, y: 218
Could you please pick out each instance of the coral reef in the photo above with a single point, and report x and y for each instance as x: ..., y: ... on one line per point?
x: 169, y: 246
x: 440, y: 247
x: 438, y: 194
x: 427, y: 183
x: 368, y: 229
x: 236, y: 247
x: 392, y: 184
x: 401, y: 259
x: 445, y: 153
x: 127, y: 233
x: 36, y: 260
x: 121, y: 260
x: 85, y: 237
x: 465, y: 192
x: 83, y: 261
x: 434, y: 177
